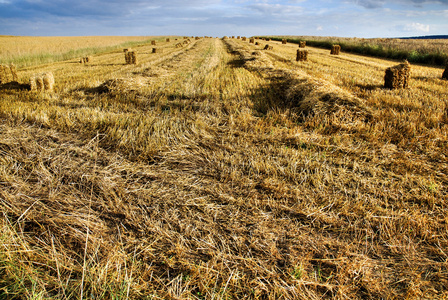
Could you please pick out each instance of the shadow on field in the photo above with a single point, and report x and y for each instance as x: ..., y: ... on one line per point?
x: 369, y: 87
x: 14, y: 85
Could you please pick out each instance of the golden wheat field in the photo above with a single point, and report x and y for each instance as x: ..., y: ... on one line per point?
x: 217, y: 170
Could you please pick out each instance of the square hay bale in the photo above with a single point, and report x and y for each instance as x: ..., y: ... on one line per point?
x: 197, y: 38
x: 132, y: 57
x: 302, y: 55
x: 302, y: 44
x: 267, y: 47
x: 244, y: 39
x: 238, y: 37
x: 225, y: 37
x: 397, y: 76
x: 42, y: 82
x: 167, y: 40
x: 157, y: 50
x: 257, y: 43
x: 153, y: 43
x: 179, y: 45
x: 335, y: 50
x: 284, y: 41
x: 252, y: 41
x: 4, y: 74
x: 445, y: 73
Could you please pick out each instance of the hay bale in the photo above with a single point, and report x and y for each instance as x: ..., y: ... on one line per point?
x: 397, y: 76
x: 335, y: 50
x: 197, y: 38
x: 238, y: 37
x: 126, y: 50
x: 4, y: 76
x: 153, y: 43
x: 267, y: 47
x: 127, y: 58
x: 33, y: 83
x: 302, y: 55
x: 302, y: 44
x: 268, y: 40
x: 179, y: 45
x: 257, y: 43
x: 244, y: 38
x: 132, y: 57
x: 48, y: 81
x: 445, y: 73
x: 167, y: 40
x: 157, y: 50
x: 252, y: 41
x: 284, y: 41
x: 225, y: 37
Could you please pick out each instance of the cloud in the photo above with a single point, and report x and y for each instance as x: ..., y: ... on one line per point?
x: 416, y: 27
x: 275, y: 9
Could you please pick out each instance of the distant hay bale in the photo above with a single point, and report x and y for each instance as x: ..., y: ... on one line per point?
x: 197, y: 38
x: 238, y: 37
x: 445, y: 73
x: 257, y: 43
x: 268, y: 40
x: 252, y: 41
x: 233, y: 36
x: 42, y: 82
x: 86, y: 59
x: 302, y: 44
x: 153, y: 43
x: 225, y: 37
x: 335, y: 50
x: 284, y: 41
x: 397, y: 76
x: 167, y: 40
x: 179, y: 45
x: 302, y: 55
x: 157, y: 50
x: 267, y: 47
x: 127, y: 58
x: 244, y: 39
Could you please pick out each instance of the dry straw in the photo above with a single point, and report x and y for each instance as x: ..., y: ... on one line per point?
x: 335, y: 50
x: 284, y: 41
x: 267, y: 47
x: 302, y: 55
x: 302, y: 44
x: 445, y: 73
x: 397, y: 76
x: 179, y: 45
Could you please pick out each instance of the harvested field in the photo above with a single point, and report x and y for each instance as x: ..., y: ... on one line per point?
x: 217, y: 170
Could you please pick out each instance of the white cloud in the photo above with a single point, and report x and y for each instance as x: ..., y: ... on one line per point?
x: 319, y: 28
x: 417, y: 27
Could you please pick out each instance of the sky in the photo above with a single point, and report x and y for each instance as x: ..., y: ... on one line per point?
x: 343, y: 18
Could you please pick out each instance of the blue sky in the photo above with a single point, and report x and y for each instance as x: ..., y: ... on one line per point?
x: 349, y: 18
